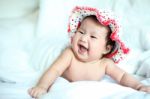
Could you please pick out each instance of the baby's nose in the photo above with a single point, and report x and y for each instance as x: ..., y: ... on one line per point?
x: 84, y: 38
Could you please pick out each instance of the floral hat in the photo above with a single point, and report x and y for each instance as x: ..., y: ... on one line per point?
x: 105, y: 18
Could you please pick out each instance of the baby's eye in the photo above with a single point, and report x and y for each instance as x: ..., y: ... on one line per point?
x: 81, y: 32
x: 93, y: 37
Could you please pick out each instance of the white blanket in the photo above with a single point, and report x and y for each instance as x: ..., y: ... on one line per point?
x: 62, y: 89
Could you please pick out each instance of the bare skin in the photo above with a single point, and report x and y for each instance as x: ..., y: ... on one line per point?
x: 84, y: 60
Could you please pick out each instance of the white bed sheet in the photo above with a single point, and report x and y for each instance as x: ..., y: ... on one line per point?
x: 62, y: 89
x: 104, y: 89
x: 14, y: 91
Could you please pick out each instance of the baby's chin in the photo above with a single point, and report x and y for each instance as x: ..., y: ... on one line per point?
x: 84, y: 59
x: 81, y: 57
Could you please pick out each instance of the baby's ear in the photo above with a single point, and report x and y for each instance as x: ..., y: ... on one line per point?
x: 108, y: 49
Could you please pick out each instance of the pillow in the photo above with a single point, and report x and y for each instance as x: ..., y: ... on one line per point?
x: 54, y: 15
x: 52, y: 18
x: 17, y: 8
x: 45, y: 51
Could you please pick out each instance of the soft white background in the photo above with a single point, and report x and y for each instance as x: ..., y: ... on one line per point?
x: 33, y: 33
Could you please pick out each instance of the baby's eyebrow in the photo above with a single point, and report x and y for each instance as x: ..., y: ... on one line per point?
x: 95, y: 33
x: 99, y: 34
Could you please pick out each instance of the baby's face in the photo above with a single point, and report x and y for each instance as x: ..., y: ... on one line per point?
x: 89, y: 41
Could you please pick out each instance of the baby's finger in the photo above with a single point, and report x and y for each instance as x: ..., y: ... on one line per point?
x: 38, y: 95
x: 33, y: 93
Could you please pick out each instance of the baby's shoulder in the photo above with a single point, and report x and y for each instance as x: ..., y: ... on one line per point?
x: 67, y: 51
x: 107, y: 61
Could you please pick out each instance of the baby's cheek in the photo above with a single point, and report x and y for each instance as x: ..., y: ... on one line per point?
x: 95, y: 52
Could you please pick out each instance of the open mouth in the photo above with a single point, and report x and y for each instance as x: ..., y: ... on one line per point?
x: 82, y: 49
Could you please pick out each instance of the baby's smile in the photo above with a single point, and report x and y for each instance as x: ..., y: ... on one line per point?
x: 82, y: 49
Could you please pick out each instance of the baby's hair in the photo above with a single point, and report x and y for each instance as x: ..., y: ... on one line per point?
x: 109, y: 40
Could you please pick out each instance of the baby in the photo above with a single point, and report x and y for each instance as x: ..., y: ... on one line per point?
x: 94, y: 50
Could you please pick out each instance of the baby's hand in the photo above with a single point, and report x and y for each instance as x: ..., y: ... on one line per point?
x: 37, y: 91
x: 145, y: 89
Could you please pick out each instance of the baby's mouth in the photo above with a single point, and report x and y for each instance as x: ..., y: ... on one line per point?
x: 82, y: 49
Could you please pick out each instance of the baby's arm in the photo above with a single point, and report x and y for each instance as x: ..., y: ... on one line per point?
x: 124, y: 78
x: 57, y: 68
